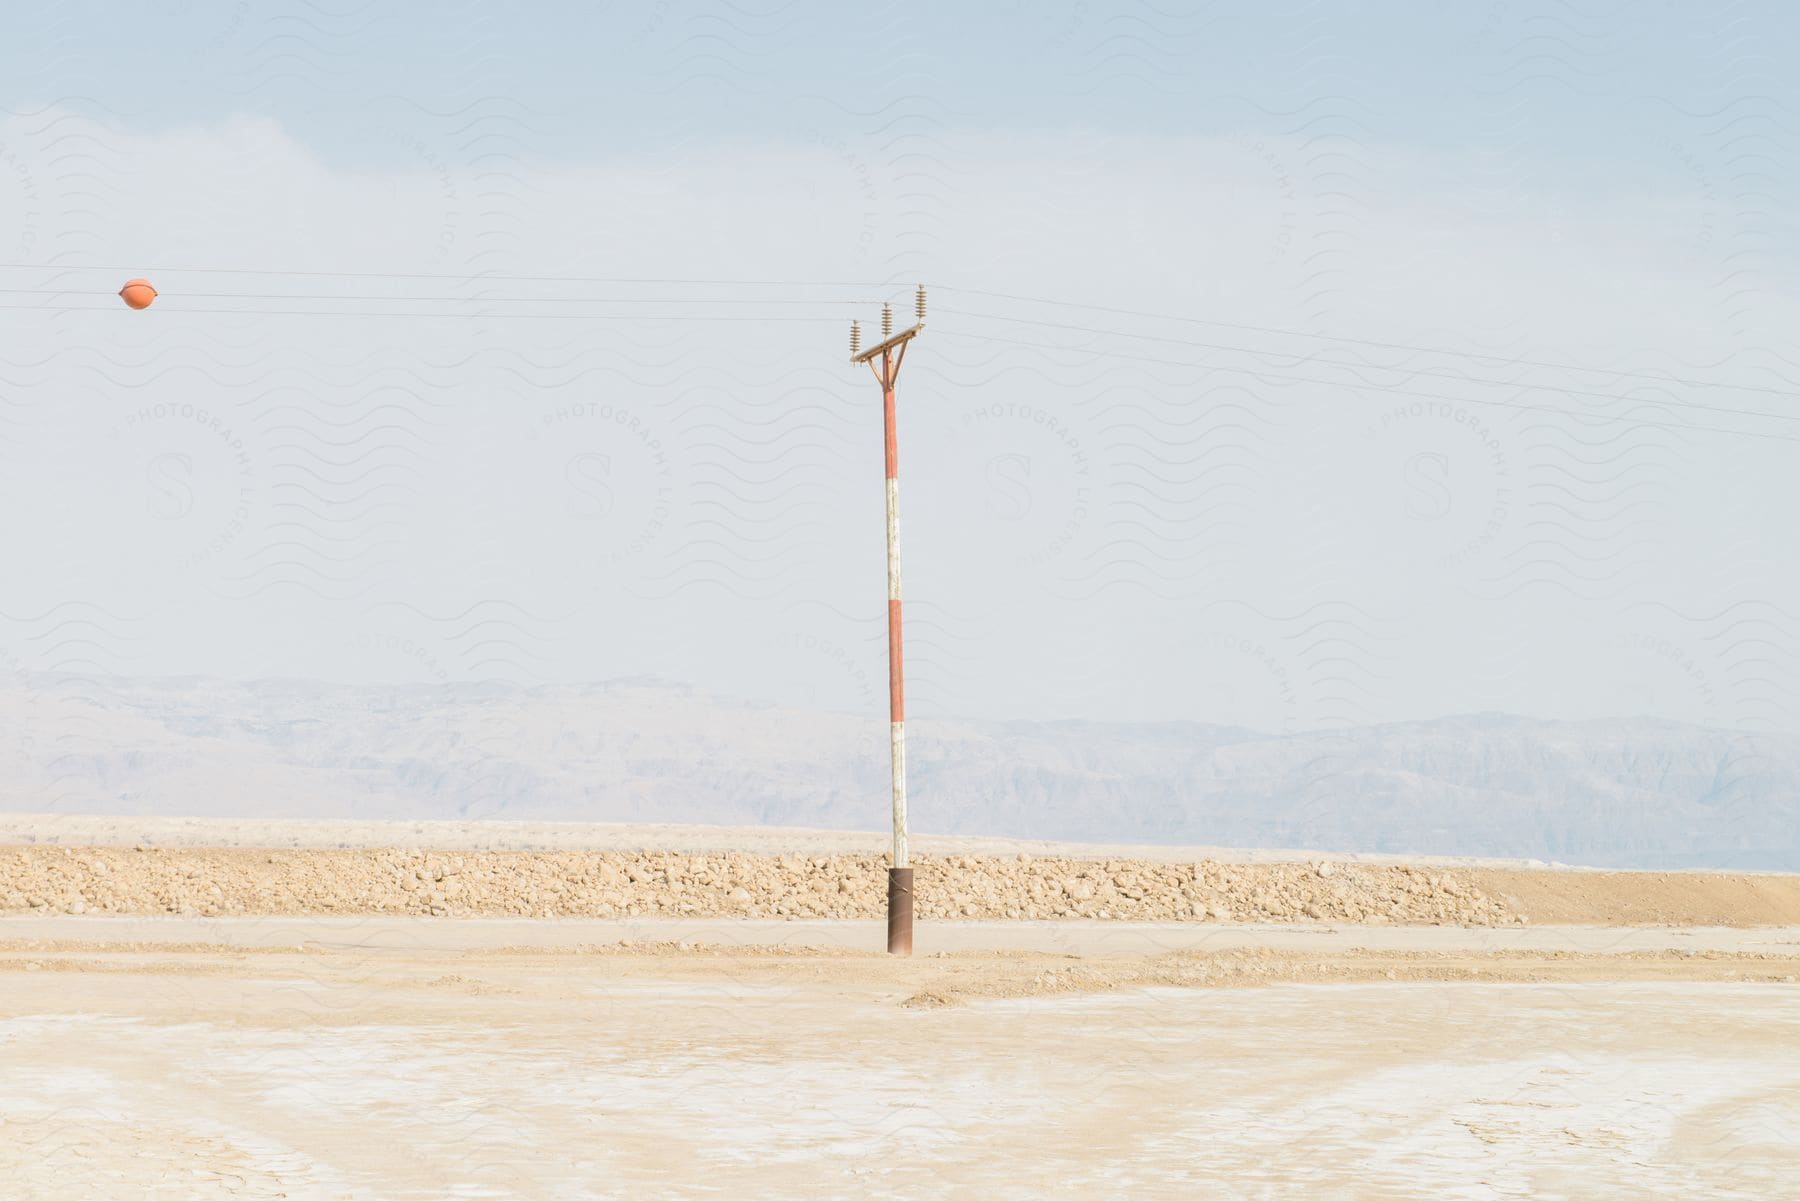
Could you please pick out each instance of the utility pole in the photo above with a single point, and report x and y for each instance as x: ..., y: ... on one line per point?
x: 889, y: 353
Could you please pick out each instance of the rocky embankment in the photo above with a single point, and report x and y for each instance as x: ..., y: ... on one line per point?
x: 220, y: 882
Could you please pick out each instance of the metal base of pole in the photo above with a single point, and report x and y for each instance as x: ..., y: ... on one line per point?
x: 900, y: 909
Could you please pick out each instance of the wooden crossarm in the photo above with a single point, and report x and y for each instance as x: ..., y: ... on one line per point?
x: 899, y: 339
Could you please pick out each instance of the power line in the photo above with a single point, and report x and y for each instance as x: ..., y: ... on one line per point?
x: 1505, y: 360
x: 477, y: 277
x: 38, y: 308
x: 1221, y: 347
x: 1596, y: 417
x: 1212, y: 367
x: 463, y: 299
x: 1408, y: 371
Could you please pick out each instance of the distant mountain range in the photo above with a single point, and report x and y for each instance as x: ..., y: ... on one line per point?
x: 1626, y: 792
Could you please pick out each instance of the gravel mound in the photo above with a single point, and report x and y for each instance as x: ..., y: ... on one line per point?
x: 221, y: 882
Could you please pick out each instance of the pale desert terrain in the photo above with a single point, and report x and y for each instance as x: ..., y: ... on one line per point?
x: 194, y: 1020
x: 199, y: 867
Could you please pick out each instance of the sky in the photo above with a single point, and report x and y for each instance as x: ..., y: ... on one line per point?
x: 1290, y: 368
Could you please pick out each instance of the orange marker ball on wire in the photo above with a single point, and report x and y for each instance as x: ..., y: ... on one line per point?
x: 138, y: 293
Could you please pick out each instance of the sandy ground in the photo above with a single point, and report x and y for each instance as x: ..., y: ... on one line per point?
x: 455, y: 1068
x: 1090, y: 940
x: 325, y: 1018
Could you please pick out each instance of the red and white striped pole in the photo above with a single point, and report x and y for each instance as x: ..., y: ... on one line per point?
x: 891, y: 351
